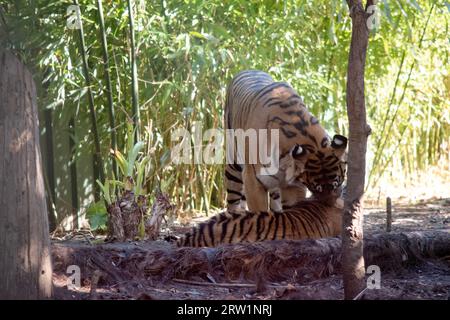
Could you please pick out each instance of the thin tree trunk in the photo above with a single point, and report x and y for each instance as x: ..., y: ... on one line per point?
x: 25, y: 264
x: 352, y: 231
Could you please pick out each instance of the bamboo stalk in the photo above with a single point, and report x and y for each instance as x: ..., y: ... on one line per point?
x: 386, y: 134
x: 52, y: 213
x: 121, y: 116
x: 409, y: 162
x: 112, y: 125
x: 50, y: 166
x: 428, y: 137
x: 73, y: 173
x: 98, y: 163
x: 134, y: 82
x: 50, y: 156
x: 435, y: 144
x: 400, y: 142
x: 202, y: 189
x: 394, y: 92
x: 378, y: 151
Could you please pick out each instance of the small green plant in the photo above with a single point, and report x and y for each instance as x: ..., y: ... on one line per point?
x: 125, y: 193
x: 97, y: 216
x: 132, y: 169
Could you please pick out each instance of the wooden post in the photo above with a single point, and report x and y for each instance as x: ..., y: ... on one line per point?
x: 352, y: 231
x: 25, y: 264
x: 388, y: 214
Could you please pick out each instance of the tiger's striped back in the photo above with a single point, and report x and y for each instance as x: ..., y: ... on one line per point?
x: 245, y: 94
x: 308, y: 219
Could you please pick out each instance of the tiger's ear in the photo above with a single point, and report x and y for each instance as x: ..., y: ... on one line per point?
x: 339, y: 143
x: 298, y: 152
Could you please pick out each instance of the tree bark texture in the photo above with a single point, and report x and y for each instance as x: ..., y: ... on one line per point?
x: 25, y: 261
x: 352, y: 231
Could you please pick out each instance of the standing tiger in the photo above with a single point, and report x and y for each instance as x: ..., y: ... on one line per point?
x: 308, y: 219
x: 307, y: 156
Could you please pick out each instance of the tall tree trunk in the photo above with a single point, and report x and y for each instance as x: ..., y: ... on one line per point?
x: 352, y: 231
x: 25, y: 265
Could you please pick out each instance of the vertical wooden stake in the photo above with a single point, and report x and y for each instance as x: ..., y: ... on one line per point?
x: 388, y: 214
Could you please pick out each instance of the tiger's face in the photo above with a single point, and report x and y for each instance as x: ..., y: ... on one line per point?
x: 323, y: 171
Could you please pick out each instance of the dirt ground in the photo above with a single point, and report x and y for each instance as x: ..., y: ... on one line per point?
x: 427, y: 279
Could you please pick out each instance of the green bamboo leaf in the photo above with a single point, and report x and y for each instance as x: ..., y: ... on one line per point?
x: 105, y: 191
x: 132, y: 156
x: 197, y: 35
x: 140, y: 175
x: 332, y: 34
x: 123, y: 163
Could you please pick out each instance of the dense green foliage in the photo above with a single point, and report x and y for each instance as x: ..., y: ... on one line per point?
x: 187, y: 51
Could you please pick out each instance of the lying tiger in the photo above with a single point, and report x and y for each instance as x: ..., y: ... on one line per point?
x: 308, y: 219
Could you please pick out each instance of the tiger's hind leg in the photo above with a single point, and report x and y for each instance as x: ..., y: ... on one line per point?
x: 236, y: 200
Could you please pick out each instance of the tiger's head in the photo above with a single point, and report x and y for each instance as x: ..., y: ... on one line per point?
x: 321, y: 171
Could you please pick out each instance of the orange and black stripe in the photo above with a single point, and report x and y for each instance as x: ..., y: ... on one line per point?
x: 308, y: 219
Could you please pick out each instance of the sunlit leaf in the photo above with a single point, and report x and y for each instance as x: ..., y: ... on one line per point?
x: 197, y: 35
